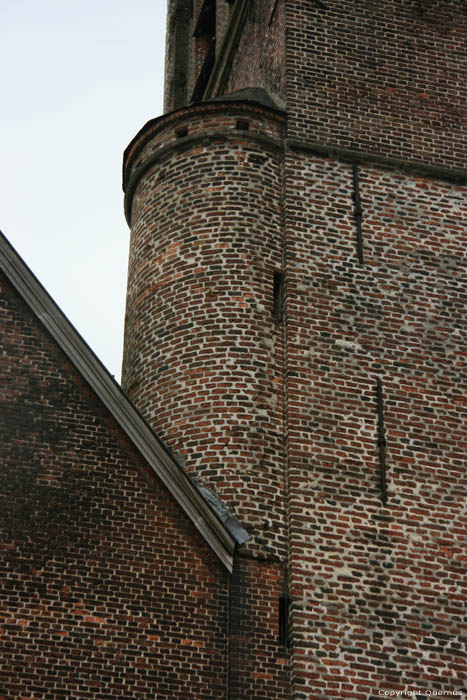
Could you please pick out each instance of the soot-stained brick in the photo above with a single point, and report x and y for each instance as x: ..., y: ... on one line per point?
x: 106, y: 586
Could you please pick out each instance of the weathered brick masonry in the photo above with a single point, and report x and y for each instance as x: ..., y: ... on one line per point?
x: 376, y: 590
x: 260, y: 57
x: 203, y: 349
x: 203, y: 346
x: 108, y: 590
x: 295, y: 332
x: 257, y: 658
x: 386, y: 77
x: 369, y: 234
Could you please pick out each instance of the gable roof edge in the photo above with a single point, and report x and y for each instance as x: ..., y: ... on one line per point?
x: 86, y: 362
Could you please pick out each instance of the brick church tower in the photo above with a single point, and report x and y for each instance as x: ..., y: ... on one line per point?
x: 295, y: 327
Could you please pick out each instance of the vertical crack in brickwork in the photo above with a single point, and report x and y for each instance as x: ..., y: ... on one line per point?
x: 278, y: 294
x: 358, y: 212
x: 381, y: 441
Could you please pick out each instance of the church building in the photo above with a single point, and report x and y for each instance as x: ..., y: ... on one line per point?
x: 272, y: 506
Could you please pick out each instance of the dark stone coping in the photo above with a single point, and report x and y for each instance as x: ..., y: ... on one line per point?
x: 256, y: 95
x: 455, y: 175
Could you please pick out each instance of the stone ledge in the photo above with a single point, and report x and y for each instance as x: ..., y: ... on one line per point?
x: 454, y: 175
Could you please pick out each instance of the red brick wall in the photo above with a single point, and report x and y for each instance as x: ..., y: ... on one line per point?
x: 376, y: 590
x: 107, y: 589
x: 380, y: 76
x: 258, y: 661
x: 383, y: 76
x: 260, y: 57
x: 203, y: 355
x: 203, y: 351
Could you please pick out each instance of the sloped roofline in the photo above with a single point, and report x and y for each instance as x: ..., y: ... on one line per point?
x: 222, y: 533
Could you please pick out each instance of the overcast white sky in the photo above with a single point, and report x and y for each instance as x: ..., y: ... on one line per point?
x: 78, y: 80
